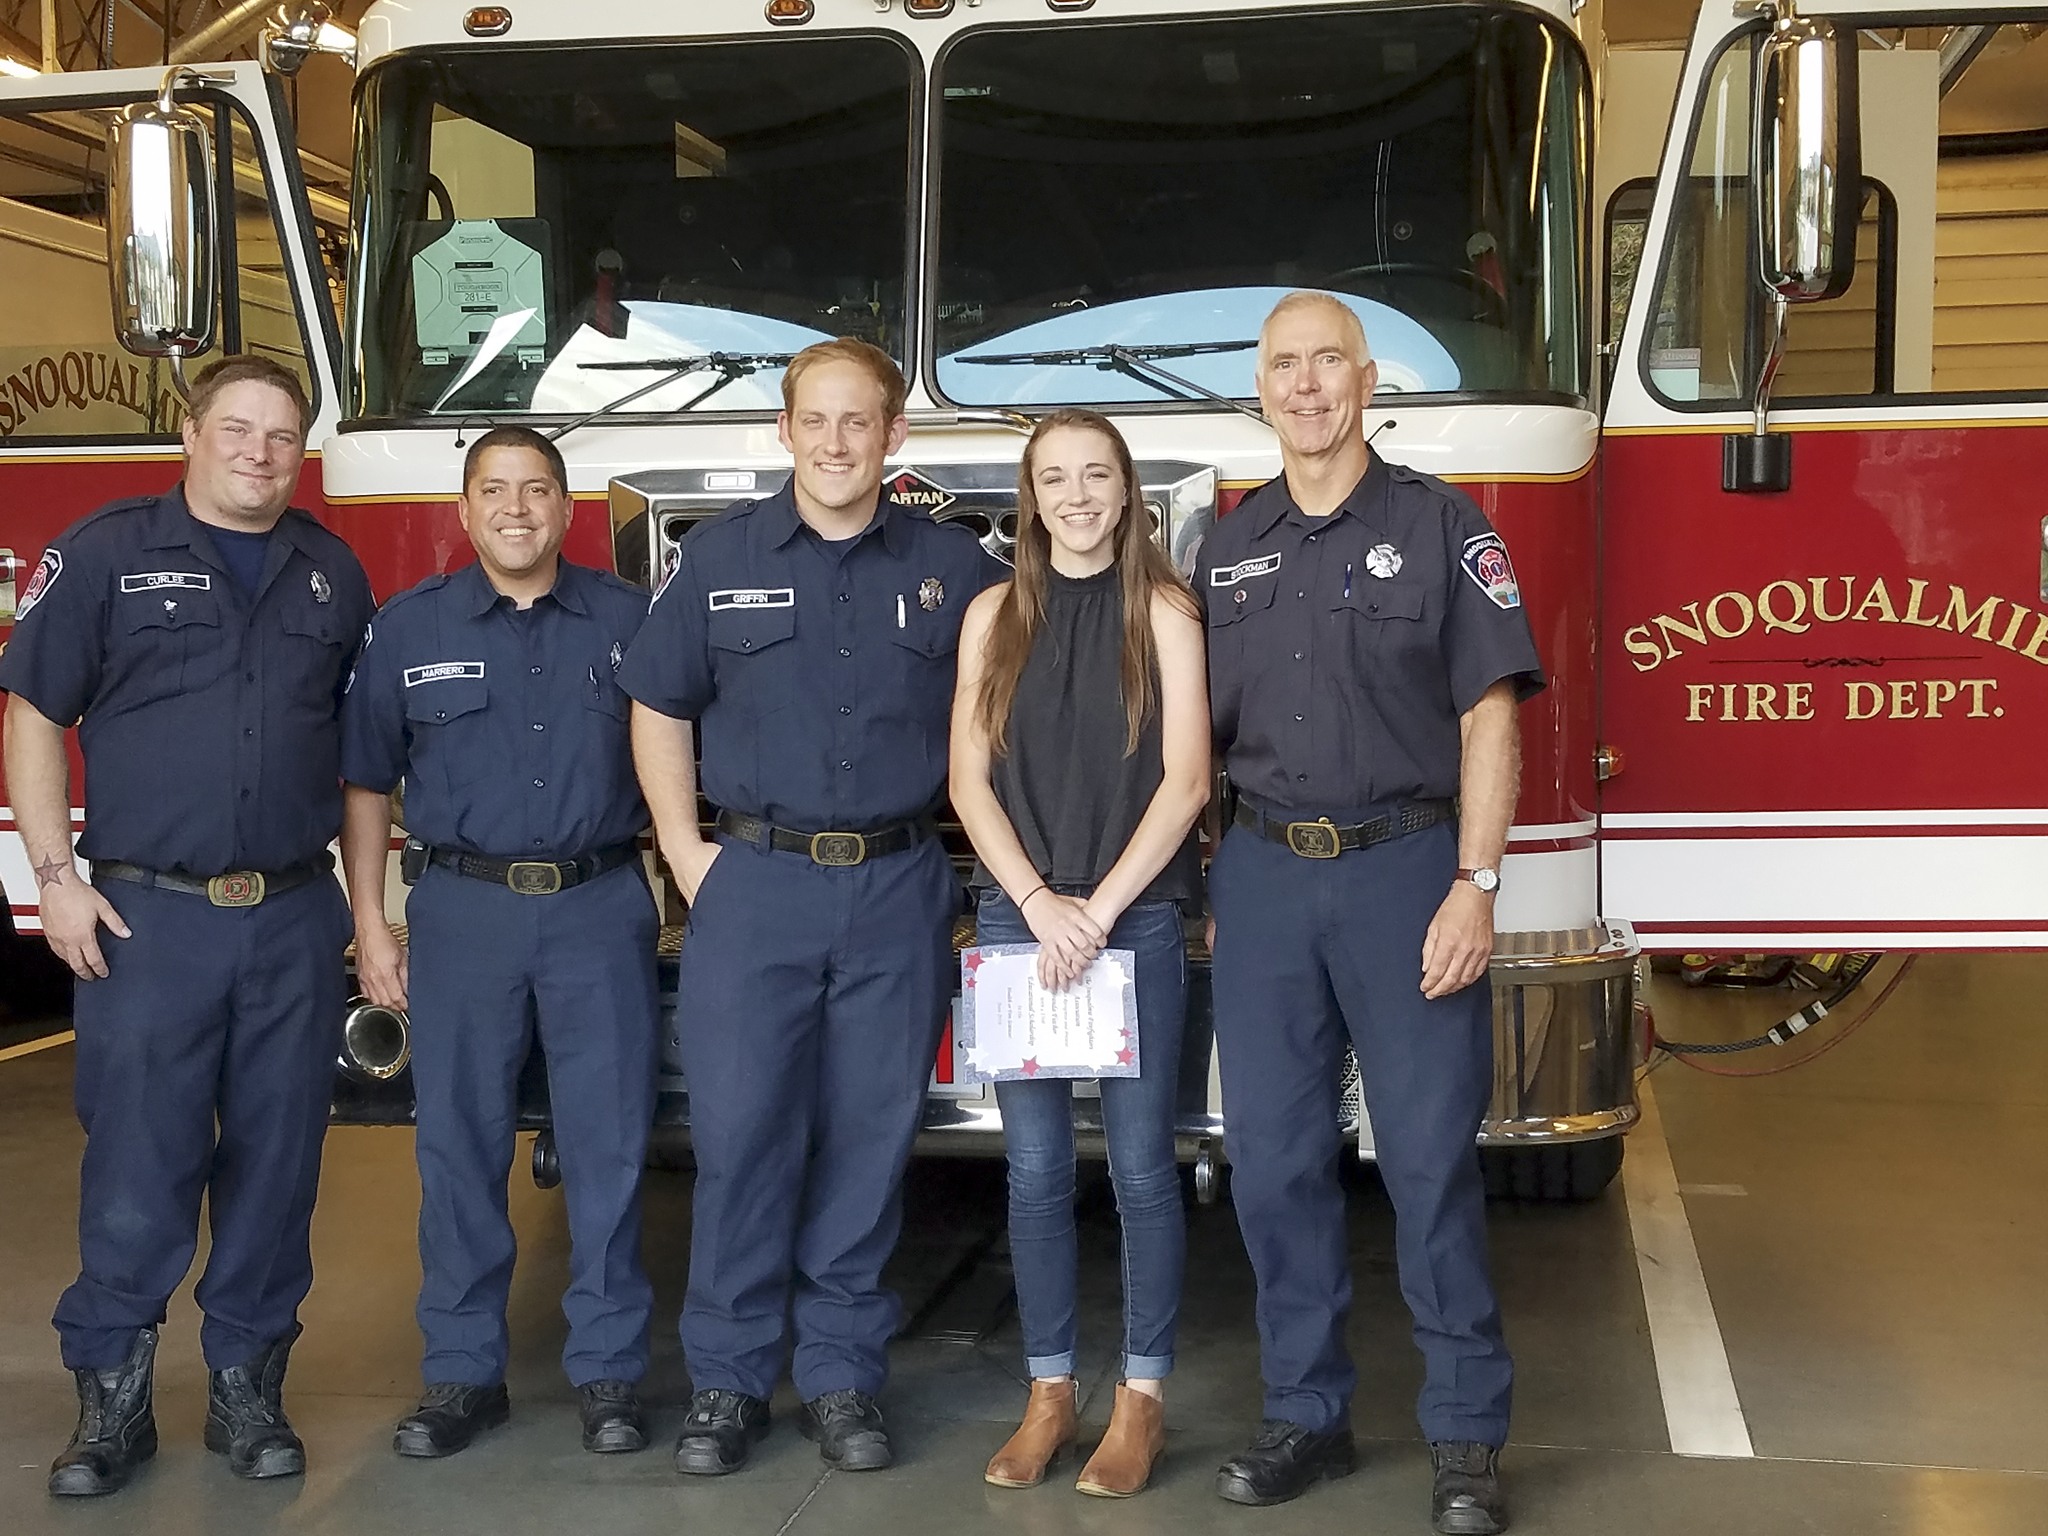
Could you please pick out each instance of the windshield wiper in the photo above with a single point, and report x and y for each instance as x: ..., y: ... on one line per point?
x: 1135, y: 362
x: 730, y: 367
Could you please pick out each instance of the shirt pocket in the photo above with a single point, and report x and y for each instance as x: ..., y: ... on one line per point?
x: 1238, y: 602
x: 602, y: 693
x: 448, y: 722
x: 1385, y: 620
x: 313, y: 643
x: 174, y: 640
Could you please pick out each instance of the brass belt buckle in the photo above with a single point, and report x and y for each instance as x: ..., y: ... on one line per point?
x: 239, y: 888
x: 838, y: 850
x: 1314, y: 839
x: 532, y: 879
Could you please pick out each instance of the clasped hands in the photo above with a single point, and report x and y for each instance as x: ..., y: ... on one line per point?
x: 1069, y: 935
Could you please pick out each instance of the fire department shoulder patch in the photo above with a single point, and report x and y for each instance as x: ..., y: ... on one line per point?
x: 47, y: 570
x: 1486, y: 561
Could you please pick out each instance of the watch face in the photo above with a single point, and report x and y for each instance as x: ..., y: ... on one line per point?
x: 1486, y: 879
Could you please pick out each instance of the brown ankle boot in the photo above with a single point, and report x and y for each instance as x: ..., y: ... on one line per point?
x: 1122, y: 1464
x: 1050, y: 1420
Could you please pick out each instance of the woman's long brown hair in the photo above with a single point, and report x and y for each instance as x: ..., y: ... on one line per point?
x: 1146, y: 571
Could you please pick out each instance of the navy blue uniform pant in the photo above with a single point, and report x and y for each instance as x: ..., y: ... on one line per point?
x: 205, y: 1066
x: 487, y: 966
x: 810, y: 1004
x: 1307, y: 951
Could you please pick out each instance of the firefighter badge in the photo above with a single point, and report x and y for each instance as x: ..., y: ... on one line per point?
x: 322, y: 592
x: 930, y: 593
x: 47, y: 570
x: 1383, y: 560
x: 1485, y: 560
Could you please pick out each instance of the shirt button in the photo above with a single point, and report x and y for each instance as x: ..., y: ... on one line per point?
x: 846, y: 709
x: 440, y: 714
x: 1301, y: 778
x: 1297, y: 655
x: 748, y: 645
x: 245, y: 794
x: 844, y: 598
x: 534, y: 670
x: 540, y: 783
x: 538, y: 726
x: 844, y: 651
x: 1299, y: 717
x: 248, y: 730
x: 1311, y: 538
x: 845, y: 764
x: 538, y: 843
x: 248, y: 677
x: 1301, y: 594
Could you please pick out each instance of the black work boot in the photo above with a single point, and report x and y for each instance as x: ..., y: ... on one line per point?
x: 116, y: 1429
x: 612, y: 1421
x: 848, y: 1428
x: 1466, y: 1499
x: 1285, y: 1462
x: 450, y: 1415
x: 721, y: 1427
x: 245, y: 1419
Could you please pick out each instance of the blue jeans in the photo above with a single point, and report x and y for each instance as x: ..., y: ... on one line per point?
x: 1137, y: 1116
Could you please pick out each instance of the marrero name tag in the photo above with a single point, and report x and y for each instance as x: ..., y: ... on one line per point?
x: 442, y: 672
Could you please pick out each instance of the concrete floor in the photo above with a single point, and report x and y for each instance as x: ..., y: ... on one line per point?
x: 1871, y: 1229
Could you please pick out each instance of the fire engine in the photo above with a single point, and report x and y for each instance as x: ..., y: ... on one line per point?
x: 1752, y: 393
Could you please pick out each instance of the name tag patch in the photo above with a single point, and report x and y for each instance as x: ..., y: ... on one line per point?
x: 1485, y: 560
x: 1231, y: 575
x: 442, y: 672
x: 151, y: 581
x: 751, y: 597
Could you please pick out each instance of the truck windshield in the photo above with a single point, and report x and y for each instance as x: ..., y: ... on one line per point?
x: 1148, y: 184
x: 531, y: 221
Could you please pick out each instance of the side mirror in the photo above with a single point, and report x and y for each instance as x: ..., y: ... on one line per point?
x: 1806, y: 180
x: 1806, y: 168
x: 162, y: 256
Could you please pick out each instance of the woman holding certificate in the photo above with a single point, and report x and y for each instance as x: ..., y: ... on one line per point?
x: 1080, y: 761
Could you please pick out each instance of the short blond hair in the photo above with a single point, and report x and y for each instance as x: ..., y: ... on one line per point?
x: 879, y: 365
x: 1315, y: 298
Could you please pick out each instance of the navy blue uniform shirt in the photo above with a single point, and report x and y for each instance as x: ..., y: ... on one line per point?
x: 820, y: 677
x: 208, y: 718
x: 506, y: 724
x: 1344, y: 649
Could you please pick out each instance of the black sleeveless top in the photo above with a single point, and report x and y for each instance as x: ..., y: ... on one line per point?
x: 1065, y: 783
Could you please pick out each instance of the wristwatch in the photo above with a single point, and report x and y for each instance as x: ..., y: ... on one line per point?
x: 1488, y: 880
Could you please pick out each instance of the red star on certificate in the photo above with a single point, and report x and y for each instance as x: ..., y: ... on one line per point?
x: 972, y: 960
x: 1030, y: 1066
x: 1123, y: 1057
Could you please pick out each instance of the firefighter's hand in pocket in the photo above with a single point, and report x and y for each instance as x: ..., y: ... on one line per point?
x: 1459, y: 944
x: 72, y: 914
x: 382, y: 966
x: 692, y: 865
x: 1068, y: 938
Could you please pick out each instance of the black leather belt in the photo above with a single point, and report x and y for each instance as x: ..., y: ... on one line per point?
x: 236, y: 888
x: 836, y: 850
x: 1324, y: 839
x: 535, y: 877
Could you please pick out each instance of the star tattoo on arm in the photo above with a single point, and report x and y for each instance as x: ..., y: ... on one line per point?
x: 51, y: 872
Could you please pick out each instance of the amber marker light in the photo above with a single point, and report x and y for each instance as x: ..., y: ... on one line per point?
x: 1068, y: 5
x: 487, y: 21
x: 790, y: 13
x: 927, y: 8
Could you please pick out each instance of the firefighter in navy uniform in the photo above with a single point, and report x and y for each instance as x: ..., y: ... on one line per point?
x: 200, y: 641
x: 492, y: 694
x: 1367, y: 650
x: 812, y: 636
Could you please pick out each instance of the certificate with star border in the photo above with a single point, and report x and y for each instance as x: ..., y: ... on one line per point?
x: 1009, y: 1028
